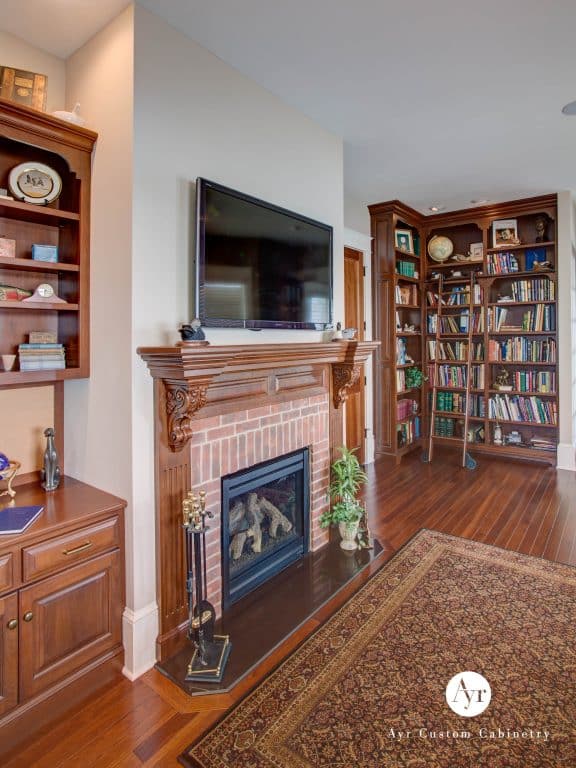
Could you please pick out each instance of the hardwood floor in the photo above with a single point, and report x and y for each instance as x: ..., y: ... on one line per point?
x: 518, y: 506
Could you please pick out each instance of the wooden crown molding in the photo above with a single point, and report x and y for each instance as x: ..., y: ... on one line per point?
x: 15, y: 118
x: 188, y: 372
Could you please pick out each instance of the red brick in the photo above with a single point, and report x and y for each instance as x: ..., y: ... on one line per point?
x: 209, y: 423
x: 246, y: 426
x: 254, y: 413
x: 269, y: 420
x: 198, y: 438
x: 219, y: 434
x: 250, y: 449
x: 233, y: 418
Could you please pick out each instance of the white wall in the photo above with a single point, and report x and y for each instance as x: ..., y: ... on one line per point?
x: 98, y: 411
x: 356, y: 215
x: 18, y: 54
x: 196, y: 116
x: 567, y: 329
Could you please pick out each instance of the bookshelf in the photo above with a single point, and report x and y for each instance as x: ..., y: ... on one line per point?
x: 32, y: 137
x: 514, y: 400
x: 397, y: 301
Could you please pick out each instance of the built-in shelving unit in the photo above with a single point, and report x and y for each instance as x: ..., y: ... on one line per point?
x: 29, y: 136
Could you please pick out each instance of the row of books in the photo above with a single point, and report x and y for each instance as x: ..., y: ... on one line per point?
x: 534, y: 381
x: 405, y: 268
x: 502, y: 263
x: 542, y: 444
x: 41, y: 357
x: 406, y: 408
x: 538, y: 289
x: 522, y: 350
x: 444, y: 427
x: 460, y: 294
x: 541, y: 317
x: 456, y: 323
x: 518, y: 408
x: 454, y: 350
x: 457, y: 376
x: 406, y: 294
x: 455, y: 402
x: 408, y: 431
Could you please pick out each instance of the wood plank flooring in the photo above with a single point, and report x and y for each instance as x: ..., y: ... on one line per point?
x: 518, y: 506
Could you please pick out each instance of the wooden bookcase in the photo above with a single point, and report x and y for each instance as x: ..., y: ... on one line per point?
x: 29, y: 136
x: 516, y: 396
x: 397, y: 308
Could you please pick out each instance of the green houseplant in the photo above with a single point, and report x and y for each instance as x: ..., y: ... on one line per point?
x: 345, y: 510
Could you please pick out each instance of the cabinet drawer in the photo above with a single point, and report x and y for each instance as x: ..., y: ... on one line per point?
x: 55, y: 554
x: 7, y: 571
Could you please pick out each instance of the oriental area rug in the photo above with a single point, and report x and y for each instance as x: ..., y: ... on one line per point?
x: 454, y: 654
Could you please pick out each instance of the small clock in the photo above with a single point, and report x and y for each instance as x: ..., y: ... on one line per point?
x: 45, y: 292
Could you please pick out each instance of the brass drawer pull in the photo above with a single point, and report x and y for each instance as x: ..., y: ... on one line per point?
x: 12, y: 624
x: 81, y: 548
x: 28, y: 616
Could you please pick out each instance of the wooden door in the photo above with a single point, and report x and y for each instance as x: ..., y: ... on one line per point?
x: 68, y: 620
x: 354, y: 318
x: 8, y: 652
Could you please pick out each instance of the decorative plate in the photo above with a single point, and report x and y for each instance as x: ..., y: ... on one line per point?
x: 35, y: 183
x: 440, y: 248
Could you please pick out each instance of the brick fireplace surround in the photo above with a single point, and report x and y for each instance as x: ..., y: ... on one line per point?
x: 219, y: 409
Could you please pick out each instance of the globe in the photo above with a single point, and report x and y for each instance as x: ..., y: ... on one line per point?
x: 440, y: 248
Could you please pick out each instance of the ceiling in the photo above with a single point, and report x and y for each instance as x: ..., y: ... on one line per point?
x: 437, y: 102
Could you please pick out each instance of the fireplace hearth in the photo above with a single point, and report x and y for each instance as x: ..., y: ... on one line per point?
x: 265, y: 522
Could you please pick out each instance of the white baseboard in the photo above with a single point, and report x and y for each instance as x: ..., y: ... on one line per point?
x: 139, y: 630
x: 566, y: 457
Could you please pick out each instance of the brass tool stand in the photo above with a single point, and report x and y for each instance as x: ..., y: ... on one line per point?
x: 211, y: 651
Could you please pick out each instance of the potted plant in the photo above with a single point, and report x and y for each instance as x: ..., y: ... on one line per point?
x: 345, y: 510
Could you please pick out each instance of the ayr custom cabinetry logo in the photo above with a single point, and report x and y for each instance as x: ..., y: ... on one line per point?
x: 468, y: 694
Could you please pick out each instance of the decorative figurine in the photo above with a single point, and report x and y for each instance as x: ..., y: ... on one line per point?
x: 8, y: 470
x: 541, y: 224
x: 365, y: 538
x: 50, y: 473
x: 502, y: 381
x: 337, y: 336
x: 498, y: 439
x: 192, y: 332
x: 211, y: 651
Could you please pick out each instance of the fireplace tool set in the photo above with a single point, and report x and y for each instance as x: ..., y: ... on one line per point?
x: 211, y: 651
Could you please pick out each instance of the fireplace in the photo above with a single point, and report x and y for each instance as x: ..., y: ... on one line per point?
x: 265, y: 522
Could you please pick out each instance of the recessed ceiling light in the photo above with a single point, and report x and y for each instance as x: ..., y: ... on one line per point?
x: 479, y: 202
x: 436, y: 208
x: 569, y: 109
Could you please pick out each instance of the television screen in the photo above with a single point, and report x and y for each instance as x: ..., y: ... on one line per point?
x: 258, y: 265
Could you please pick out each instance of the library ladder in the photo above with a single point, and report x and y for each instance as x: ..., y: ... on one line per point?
x: 445, y: 335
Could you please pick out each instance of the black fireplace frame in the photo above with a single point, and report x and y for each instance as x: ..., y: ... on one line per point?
x: 280, y: 557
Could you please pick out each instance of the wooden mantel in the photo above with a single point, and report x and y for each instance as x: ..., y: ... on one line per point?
x: 197, y: 376
x: 193, y: 383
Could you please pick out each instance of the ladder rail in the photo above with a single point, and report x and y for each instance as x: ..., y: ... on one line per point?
x: 467, y: 461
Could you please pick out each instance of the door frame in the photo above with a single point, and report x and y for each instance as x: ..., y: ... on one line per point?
x: 360, y: 242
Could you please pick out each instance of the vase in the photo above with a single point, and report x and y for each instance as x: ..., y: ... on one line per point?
x: 348, y: 533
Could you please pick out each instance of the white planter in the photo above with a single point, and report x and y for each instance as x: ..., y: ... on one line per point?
x: 348, y: 532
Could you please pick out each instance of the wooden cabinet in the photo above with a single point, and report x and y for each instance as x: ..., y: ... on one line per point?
x: 8, y: 653
x: 28, y: 136
x: 61, y: 599
x: 397, y: 311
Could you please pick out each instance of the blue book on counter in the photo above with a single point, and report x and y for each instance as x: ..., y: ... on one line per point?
x: 17, y: 519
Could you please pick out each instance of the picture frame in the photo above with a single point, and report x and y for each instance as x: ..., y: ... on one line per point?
x: 505, y: 233
x: 23, y: 87
x: 403, y: 240
x: 476, y: 251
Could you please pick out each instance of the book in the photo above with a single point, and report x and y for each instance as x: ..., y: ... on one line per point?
x: 17, y: 519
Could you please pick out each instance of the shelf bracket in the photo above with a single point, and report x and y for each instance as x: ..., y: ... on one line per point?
x: 344, y: 377
x: 182, y: 402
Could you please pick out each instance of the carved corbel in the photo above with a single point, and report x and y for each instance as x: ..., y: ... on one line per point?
x: 344, y: 377
x: 182, y: 402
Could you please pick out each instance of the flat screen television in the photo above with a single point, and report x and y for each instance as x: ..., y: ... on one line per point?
x: 258, y: 265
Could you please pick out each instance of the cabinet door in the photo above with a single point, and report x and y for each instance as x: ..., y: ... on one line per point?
x: 8, y: 652
x: 68, y: 620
